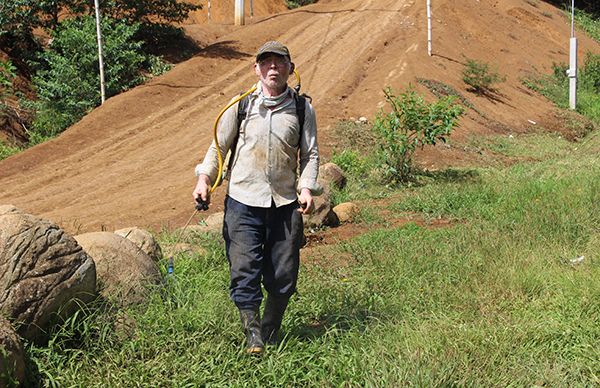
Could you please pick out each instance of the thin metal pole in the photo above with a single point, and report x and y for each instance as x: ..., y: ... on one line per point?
x: 239, y: 12
x: 429, y: 27
x: 209, y: 10
x: 572, y: 72
x: 100, y: 61
x: 572, y: 18
x: 251, y: 9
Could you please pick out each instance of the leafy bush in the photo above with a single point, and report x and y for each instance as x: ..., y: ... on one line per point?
x: 555, y: 87
x: 7, y: 75
x: 590, y: 74
x: 480, y: 77
x: 69, y: 82
x: 291, y: 4
x: 411, y: 124
x: 7, y: 150
x: 589, y: 22
x: 351, y: 162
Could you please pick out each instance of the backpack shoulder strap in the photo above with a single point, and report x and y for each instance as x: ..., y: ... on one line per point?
x: 300, y: 110
x: 242, y: 113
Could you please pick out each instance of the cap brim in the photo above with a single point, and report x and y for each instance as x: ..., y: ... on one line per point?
x: 278, y: 52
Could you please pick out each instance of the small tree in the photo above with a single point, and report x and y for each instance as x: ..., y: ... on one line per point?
x: 480, y: 77
x: 412, y: 124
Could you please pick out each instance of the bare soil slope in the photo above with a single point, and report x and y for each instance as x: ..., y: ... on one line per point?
x: 130, y: 162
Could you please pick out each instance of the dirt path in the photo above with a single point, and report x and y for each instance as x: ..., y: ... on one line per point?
x: 130, y: 162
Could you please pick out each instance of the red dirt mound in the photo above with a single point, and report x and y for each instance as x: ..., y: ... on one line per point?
x: 130, y: 162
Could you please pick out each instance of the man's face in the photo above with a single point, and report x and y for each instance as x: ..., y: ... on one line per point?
x: 273, y: 71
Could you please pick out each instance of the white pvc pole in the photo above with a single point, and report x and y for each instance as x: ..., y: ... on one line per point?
x: 572, y: 73
x: 429, y: 27
x: 100, y: 61
x: 239, y: 12
x: 209, y: 10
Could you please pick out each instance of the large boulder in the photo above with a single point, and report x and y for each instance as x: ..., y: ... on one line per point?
x: 12, y: 357
x: 144, y: 240
x: 124, y: 271
x: 331, y: 175
x: 323, y: 214
x: 42, y: 272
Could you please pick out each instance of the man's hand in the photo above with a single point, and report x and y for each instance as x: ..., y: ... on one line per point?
x: 202, y: 189
x: 306, y: 202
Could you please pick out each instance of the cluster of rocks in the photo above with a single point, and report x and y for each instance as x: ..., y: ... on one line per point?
x: 46, y: 275
x: 331, y: 177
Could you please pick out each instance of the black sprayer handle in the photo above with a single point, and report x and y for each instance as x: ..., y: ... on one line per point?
x: 201, y: 204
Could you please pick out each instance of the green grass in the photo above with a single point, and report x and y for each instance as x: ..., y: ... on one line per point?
x: 589, y: 23
x: 555, y: 87
x: 490, y: 300
x: 7, y: 150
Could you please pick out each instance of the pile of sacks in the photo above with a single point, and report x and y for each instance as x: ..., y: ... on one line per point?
x: 46, y: 275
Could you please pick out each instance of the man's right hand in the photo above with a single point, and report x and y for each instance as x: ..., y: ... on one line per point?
x: 202, y: 189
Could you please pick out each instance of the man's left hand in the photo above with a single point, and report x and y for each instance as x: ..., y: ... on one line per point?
x: 306, y: 202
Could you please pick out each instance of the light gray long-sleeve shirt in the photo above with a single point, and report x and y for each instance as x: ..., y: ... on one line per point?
x: 269, y: 147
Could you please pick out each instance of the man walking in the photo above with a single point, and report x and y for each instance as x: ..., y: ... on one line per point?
x: 266, y: 198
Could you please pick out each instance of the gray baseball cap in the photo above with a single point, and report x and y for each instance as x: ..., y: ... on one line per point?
x: 273, y: 47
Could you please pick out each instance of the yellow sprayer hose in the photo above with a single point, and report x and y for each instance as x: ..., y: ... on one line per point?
x: 219, y: 155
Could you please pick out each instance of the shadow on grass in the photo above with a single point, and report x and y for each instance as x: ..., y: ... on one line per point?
x: 340, y: 322
x: 451, y: 175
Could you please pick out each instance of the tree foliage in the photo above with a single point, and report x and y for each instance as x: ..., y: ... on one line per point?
x: 18, y: 18
x: 149, y: 11
x: 68, y: 85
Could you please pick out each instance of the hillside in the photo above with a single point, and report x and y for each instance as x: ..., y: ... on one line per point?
x: 130, y: 162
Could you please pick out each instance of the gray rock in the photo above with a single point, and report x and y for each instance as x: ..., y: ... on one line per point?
x: 124, y: 271
x: 144, y: 240
x: 12, y: 357
x: 331, y: 175
x: 42, y: 272
x: 323, y: 214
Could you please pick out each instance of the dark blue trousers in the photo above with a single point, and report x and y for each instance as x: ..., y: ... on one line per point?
x: 263, y: 246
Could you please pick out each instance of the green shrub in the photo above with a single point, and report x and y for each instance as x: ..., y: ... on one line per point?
x: 555, y: 87
x: 589, y: 22
x: 590, y: 74
x: 412, y: 124
x: 480, y: 77
x: 291, y: 4
x: 68, y: 86
x: 7, y: 74
x: 351, y: 162
x: 156, y: 66
x: 7, y: 150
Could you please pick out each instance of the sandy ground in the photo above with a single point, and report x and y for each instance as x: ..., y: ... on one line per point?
x: 131, y: 161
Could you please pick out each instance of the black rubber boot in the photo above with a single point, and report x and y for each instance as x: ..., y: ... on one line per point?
x: 251, y: 323
x: 272, y: 317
